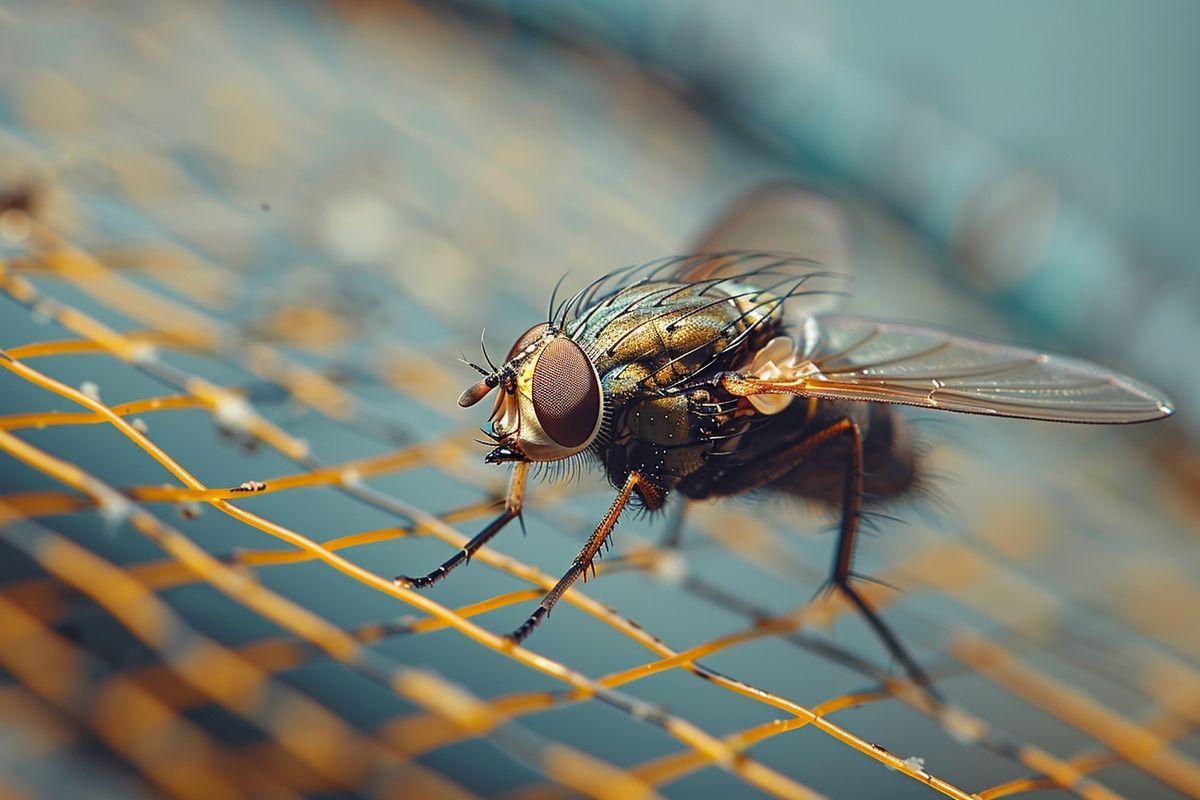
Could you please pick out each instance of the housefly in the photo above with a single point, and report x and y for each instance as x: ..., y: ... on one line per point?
x: 718, y: 374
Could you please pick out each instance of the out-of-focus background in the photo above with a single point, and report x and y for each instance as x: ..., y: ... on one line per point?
x: 243, y: 244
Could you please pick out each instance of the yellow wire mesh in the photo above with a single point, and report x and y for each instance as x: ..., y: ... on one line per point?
x: 1103, y: 666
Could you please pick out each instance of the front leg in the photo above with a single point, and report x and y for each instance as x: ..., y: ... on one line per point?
x: 513, y: 501
x: 587, y: 556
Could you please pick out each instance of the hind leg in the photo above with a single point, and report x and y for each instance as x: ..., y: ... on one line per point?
x: 842, y: 575
x: 784, y: 461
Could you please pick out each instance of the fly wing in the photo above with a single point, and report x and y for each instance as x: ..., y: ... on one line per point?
x: 801, y: 247
x: 783, y: 238
x: 889, y: 362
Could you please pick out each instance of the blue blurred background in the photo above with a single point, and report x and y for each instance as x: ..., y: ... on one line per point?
x: 1049, y: 148
x: 366, y: 185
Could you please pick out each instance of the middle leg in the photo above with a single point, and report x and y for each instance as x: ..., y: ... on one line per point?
x: 586, y: 558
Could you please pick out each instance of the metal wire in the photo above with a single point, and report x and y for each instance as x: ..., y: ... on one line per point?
x: 147, y: 714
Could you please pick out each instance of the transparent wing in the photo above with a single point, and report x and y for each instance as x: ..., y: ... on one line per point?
x: 862, y: 359
x: 781, y: 237
x: 799, y: 238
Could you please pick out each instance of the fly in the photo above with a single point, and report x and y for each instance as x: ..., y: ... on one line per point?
x: 714, y: 375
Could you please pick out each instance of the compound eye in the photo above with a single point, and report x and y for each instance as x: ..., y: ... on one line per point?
x: 525, y: 339
x: 566, y: 394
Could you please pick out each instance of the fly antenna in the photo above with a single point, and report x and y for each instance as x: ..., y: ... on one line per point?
x: 485, y: 373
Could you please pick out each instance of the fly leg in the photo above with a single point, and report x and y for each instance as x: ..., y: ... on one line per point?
x: 674, y: 533
x: 852, y: 497
x: 843, y: 557
x: 512, y: 509
x: 587, y: 556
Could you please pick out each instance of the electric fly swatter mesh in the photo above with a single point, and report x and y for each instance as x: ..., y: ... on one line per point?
x: 242, y: 248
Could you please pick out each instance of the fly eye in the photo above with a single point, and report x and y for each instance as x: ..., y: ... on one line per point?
x: 525, y: 339
x: 566, y: 393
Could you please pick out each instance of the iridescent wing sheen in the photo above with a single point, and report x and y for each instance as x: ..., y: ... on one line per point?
x: 889, y: 362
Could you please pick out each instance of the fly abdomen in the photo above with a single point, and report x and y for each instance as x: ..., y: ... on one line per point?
x: 890, y: 463
x: 890, y: 455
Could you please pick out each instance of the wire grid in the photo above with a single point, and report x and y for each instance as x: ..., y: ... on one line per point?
x: 205, y: 711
